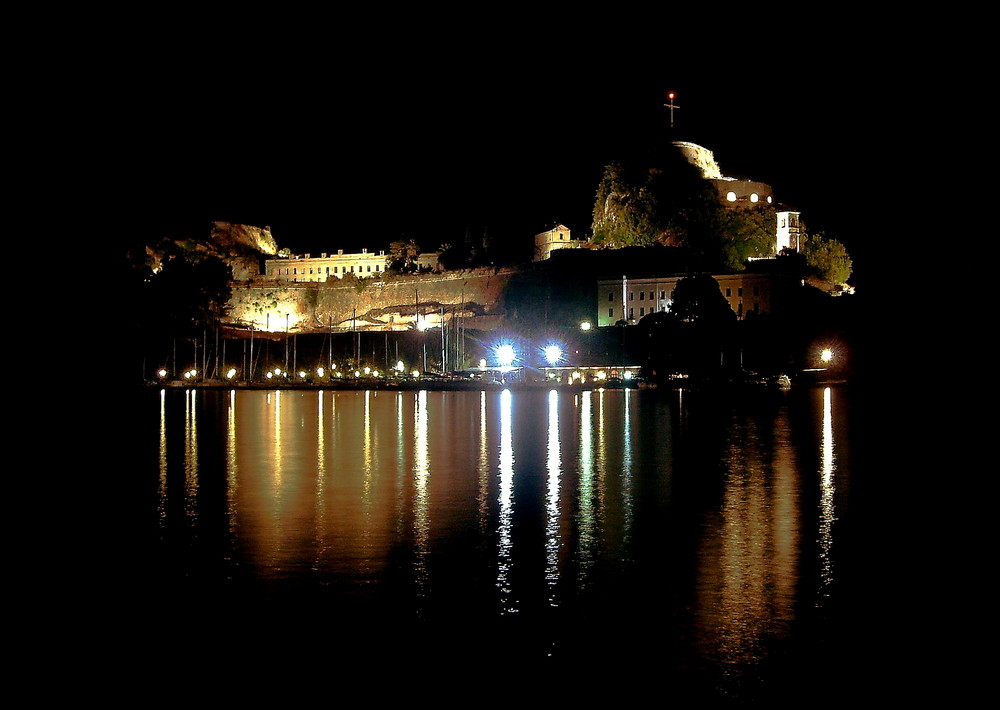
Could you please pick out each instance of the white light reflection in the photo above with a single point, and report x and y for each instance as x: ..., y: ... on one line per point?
x: 627, y: 466
x: 827, y: 489
x: 506, y: 499
x: 602, y: 451
x: 586, y: 539
x: 554, y: 467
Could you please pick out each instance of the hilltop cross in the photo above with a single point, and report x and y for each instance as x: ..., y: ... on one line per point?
x: 670, y: 98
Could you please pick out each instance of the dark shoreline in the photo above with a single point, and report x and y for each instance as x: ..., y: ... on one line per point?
x: 475, y: 386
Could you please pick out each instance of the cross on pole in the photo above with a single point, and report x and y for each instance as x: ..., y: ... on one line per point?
x: 671, y: 106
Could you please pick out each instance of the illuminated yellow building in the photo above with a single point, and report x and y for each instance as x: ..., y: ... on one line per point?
x: 309, y: 268
x: 556, y: 238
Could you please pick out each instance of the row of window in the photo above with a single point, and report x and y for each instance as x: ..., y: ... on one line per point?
x: 642, y: 311
x: 293, y: 271
x: 642, y: 295
x: 652, y: 309
x: 739, y: 292
x: 754, y: 197
x: 663, y: 294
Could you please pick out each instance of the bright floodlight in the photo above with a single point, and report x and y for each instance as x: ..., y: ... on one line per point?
x: 506, y: 354
x: 553, y: 353
x: 585, y: 325
x: 826, y: 355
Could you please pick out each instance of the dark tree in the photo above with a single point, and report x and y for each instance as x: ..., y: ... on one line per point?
x: 186, y: 296
x: 698, y: 298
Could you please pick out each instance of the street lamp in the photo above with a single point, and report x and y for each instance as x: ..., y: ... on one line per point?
x: 553, y: 354
x: 505, y: 354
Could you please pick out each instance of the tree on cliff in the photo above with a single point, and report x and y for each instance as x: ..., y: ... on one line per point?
x: 641, y: 206
x: 402, y: 256
x: 746, y: 231
x: 672, y: 204
x: 185, y: 295
x: 827, y: 257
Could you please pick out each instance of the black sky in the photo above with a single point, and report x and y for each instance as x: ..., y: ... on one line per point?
x: 335, y: 148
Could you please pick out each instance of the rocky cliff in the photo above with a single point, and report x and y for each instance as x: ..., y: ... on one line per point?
x: 235, y: 238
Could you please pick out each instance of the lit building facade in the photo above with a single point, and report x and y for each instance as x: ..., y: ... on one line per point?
x: 362, y: 265
x: 556, y: 238
x: 632, y: 299
x: 322, y: 268
x: 789, y: 230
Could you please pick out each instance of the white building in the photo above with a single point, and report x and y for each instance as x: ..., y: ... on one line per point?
x: 632, y: 299
x: 789, y: 230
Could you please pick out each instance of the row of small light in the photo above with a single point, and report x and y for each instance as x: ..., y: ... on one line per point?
x: 398, y: 369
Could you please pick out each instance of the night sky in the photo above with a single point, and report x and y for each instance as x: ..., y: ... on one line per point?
x: 336, y: 147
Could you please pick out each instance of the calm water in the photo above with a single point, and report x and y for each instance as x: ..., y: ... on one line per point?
x: 691, y: 541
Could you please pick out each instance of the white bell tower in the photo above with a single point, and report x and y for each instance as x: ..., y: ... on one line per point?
x: 788, y: 230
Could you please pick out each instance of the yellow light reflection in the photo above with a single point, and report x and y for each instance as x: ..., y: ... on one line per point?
x: 161, y: 488
x: 421, y: 503
x: 320, y: 505
x: 749, y: 566
x: 191, y: 454
x: 827, y: 488
x: 484, y: 465
x: 232, y: 469
x: 367, y: 441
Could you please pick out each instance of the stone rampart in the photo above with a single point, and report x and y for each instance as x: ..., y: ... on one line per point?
x: 392, y: 303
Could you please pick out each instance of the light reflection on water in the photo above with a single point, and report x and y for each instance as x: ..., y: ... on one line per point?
x: 711, y: 523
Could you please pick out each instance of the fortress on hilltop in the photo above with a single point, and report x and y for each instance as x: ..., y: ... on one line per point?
x: 739, y: 191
